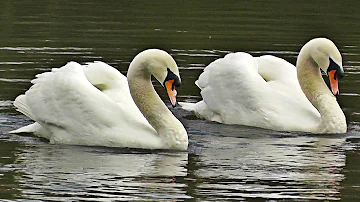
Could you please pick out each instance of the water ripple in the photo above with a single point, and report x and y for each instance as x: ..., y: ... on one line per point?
x: 44, y: 48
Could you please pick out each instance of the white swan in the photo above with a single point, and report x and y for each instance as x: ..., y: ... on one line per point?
x: 93, y: 105
x: 265, y: 92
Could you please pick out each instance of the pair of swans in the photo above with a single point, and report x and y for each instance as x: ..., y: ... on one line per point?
x: 95, y: 104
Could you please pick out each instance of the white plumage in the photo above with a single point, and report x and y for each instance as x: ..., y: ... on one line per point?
x: 92, y: 105
x: 265, y: 91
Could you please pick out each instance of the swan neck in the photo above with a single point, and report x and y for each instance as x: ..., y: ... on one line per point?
x: 310, y: 78
x: 317, y: 92
x: 146, y: 98
x: 168, y: 127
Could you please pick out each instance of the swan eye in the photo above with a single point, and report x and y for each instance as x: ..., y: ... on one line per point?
x: 333, y: 66
x: 171, y: 76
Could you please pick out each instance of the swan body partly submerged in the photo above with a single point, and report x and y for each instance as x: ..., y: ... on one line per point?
x: 96, y: 105
x: 268, y: 92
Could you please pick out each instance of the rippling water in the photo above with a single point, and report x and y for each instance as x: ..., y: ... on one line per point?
x: 224, y: 162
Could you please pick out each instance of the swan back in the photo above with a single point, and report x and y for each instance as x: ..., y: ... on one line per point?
x: 103, y: 76
x: 279, y: 74
x: 109, y: 81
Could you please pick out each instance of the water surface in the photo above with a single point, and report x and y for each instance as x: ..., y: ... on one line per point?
x: 224, y: 162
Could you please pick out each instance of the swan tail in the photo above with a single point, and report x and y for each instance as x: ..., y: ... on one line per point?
x: 25, y: 103
x: 21, y: 106
x: 202, y: 111
x: 32, y: 128
x: 187, y: 106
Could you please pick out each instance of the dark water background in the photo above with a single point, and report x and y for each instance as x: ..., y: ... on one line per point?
x: 223, y: 162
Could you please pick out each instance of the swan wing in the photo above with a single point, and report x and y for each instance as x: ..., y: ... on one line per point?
x: 108, y: 80
x: 281, y: 76
x: 241, y: 89
x: 72, y: 111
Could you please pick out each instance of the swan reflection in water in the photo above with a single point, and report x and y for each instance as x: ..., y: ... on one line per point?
x: 223, y: 161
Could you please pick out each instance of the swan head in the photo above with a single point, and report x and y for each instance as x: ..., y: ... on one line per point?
x: 164, y: 69
x: 327, y: 56
x: 170, y: 83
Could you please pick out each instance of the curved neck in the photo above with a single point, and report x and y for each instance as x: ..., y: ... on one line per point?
x: 317, y: 92
x: 168, y: 127
x: 310, y: 79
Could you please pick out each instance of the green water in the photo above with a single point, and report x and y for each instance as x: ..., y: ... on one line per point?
x: 223, y: 162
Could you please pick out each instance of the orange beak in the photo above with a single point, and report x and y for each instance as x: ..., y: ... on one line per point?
x: 334, y: 82
x: 170, y: 89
